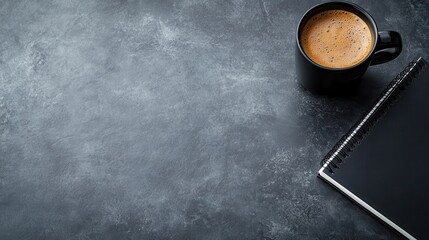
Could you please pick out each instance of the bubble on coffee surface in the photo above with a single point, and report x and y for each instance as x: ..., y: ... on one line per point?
x: 336, y: 39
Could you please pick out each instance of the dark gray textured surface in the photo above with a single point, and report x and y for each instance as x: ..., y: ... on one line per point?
x: 175, y: 120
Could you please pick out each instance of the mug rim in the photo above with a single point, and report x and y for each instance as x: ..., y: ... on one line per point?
x: 356, y: 8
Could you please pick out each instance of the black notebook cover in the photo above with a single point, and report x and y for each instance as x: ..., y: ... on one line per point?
x: 382, y: 163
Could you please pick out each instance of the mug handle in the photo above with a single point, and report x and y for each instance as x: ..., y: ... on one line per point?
x: 387, y: 41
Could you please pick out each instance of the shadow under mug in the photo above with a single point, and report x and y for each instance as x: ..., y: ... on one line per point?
x: 325, y: 80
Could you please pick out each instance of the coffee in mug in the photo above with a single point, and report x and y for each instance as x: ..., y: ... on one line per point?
x: 336, y: 42
x: 336, y: 39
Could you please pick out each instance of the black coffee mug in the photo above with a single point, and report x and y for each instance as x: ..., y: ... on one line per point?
x: 387, y: 45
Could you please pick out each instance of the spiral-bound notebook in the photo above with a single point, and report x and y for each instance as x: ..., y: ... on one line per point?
x: 382, y: 163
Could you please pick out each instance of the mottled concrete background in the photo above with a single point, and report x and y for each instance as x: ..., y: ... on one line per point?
x: 175, y: 120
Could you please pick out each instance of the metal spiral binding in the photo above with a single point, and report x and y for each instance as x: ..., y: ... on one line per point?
x: 350, y: 140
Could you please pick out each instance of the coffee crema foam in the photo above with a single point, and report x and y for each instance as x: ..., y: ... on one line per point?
x: 336, y: 39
